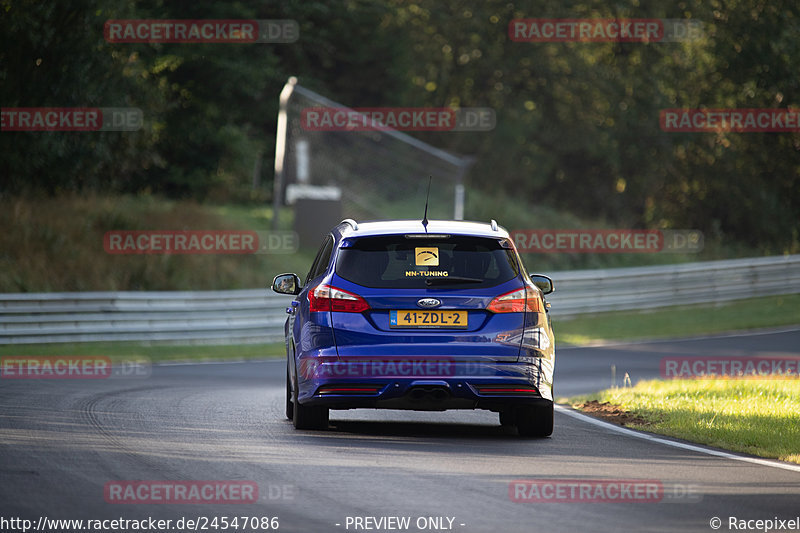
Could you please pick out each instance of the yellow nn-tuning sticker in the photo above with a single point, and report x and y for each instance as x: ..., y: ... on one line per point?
x: 427, y: 256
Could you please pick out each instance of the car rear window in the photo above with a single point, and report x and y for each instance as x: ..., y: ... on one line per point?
x: 402, y: 262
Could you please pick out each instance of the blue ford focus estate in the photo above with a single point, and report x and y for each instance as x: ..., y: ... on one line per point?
x: 419, y: 315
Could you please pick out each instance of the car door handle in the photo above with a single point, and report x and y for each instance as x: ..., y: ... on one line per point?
x: 293, y: 309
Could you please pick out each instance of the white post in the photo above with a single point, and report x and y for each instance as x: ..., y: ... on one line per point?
x: 459, y: 203
x: 301, y: 146
x: 280, y: 150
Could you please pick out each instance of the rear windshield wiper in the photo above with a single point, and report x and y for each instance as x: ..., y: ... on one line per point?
x: 451, y: 279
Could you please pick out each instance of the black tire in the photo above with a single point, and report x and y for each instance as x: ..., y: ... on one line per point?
x: 507, y: 418
x: 535, y: 420
x: 289, y: 401
x: 308, y: 417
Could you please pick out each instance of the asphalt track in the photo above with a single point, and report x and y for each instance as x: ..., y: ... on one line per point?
x: 62, y: 441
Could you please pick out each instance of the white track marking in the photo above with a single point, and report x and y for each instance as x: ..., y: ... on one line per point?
x: 675, y: 444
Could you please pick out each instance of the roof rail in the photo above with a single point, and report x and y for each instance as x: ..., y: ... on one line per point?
x: 350, y: 221
x: 493, y: 223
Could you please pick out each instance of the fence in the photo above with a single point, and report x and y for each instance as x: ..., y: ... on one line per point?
x: 246, y: 316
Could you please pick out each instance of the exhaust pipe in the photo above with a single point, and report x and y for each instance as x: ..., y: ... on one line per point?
x: 434, y: 393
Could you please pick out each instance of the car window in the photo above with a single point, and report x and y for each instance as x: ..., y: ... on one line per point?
x: 400, y: 262
x: 321, y: 261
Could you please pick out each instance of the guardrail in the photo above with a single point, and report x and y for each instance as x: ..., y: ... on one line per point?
x: 246, y: 316
x: 241, y: 316
x: 589, y: 291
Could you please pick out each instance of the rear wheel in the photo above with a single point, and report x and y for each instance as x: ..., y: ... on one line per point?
x: 535, y: 420
x: 308, y: 417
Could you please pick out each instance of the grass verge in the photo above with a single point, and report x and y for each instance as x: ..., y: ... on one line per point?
x: 679, y: 321
x: 56, y: 244
x: 757, y: 417
x: 154, y: 353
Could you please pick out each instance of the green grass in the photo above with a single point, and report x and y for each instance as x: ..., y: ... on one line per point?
x: 679, y: 321
x: 56, y: 244
x: 154, y: 353
x: 757, y: 417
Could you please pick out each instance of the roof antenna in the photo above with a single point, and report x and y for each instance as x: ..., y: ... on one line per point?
x: 425, y: 216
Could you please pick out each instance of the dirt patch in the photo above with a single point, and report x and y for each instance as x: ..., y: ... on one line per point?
x: 611, y: 413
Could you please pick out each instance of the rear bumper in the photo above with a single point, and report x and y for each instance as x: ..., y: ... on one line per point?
x: 433, y: 385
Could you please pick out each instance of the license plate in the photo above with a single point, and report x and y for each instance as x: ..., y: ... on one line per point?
x: 427, y: 319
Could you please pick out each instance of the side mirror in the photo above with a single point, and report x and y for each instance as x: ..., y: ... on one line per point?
x: 286, y: 284
x: 544, y: 283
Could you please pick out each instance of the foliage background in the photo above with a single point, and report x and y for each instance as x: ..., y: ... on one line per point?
x: 577, y: 123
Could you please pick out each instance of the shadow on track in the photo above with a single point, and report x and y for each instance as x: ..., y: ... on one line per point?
x: 422, y: 429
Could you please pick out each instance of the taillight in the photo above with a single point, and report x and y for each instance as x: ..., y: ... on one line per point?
x: 349, y: 389
x: 327, y: 298
x: 514, y: 390
x: 518, y: 301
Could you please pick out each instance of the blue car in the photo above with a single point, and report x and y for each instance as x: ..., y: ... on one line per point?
x: 430, y: 316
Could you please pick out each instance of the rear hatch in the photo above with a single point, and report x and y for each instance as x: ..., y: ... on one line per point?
x: 428, y: 297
